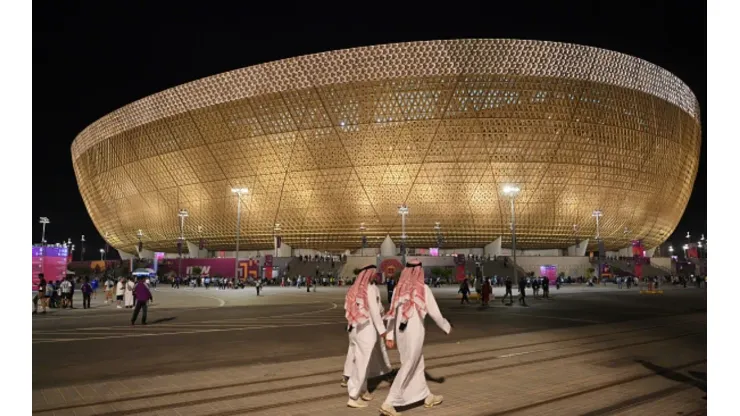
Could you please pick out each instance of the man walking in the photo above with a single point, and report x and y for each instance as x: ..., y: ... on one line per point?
x: 522, y: 292
x: 142, y: 295
x: 464, y: 291
x: 508, y: 292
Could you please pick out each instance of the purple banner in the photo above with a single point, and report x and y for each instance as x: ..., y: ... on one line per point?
x: 208, y: 267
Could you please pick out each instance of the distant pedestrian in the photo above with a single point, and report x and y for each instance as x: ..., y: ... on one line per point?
x: 487, y: 291
x: 41, y: 293
x: 391, y: 285
x: 128, y: 294
x: 86, y: 293
x: 142, y: 295
x: 464, y: 291
x: 508, y: 293
x: 546, y: 288
x: 94, y: 285
x: 120, y: 291
x: 66, y: 288
x: 522, y: 292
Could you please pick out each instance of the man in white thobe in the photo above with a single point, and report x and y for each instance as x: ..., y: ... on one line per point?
x: 365, y: 325
x: 128, y: 295
x: 412, y: 302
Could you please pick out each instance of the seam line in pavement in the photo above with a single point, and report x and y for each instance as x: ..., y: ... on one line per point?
x: 309, y: 385
x: 597, y: 388
x: 426, y: 358
x: 636, y: 401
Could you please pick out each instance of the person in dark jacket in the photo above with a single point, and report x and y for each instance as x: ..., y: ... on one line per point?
x: 391, y: 285
x: 522, y: 291
x: 546, y: 288
x: 508, y: 292
x: 142, y: 296
x: 465, y: 291
x: 86, y: 293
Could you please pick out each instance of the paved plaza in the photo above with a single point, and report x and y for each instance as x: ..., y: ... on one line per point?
x: 587, y: 351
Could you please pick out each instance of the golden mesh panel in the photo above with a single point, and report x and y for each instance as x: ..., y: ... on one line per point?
x: 325, y: 142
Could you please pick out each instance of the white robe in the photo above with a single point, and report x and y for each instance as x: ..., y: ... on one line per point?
x: 379, y: 364
x: 410, y: 385
x: 363, y: 342
x: 128, y: 296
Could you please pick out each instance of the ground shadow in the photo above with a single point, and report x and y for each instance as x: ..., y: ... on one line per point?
x: 676, y: 376
x: 160, y: 320
x: 373, y: 383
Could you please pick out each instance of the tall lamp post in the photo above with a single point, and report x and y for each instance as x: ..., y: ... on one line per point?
x: 688, y: 243
x: 438, y: 229
x: 364, y: 237
x: 403, y: 210
x: 597, y: 214
x: 183, y: 213
x: 43, y: 221
x: 82, y: 247
x: 102, y: 254
x: 239, y: 192
x: 512, y: 191
x: 670, y: 251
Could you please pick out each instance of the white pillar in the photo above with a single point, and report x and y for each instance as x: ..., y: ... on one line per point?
x: 388, y: 247
x: 125, y: 256
x: 493, y: 248
x: 284, y: 250
x: 578, y: 250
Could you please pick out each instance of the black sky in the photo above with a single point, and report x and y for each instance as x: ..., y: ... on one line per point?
x: 92, y: 58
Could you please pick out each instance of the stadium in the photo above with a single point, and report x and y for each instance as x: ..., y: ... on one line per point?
x: 330, y: 145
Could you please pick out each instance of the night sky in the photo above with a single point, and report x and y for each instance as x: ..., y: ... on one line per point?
x: 92, y: 58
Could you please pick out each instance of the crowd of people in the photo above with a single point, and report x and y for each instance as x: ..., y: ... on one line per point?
x: 60, y: 294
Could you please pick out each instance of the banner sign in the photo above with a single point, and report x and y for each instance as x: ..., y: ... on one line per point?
x: 216, y: 267
x: 268, y: 264
x: 549, y: 271
x: 391, y: 266
x: 460, y: 272
x: 51, y: 261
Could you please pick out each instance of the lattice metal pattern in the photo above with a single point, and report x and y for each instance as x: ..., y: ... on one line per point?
x: 325, y: 142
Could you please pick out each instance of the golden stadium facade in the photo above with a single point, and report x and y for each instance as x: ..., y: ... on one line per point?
x: 328, y: 141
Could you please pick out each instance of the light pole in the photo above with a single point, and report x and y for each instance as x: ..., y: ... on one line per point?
x: 438, y: 229
x: 403, y: 210
x: 364, y: 237
x: 575, y: 234
x: 276, y: 235
x: 688, y: 243
x: 703, y: 243
x: 183, y: 213
x: 238, y: 192
x: 512, y: 191
x: 597, y: 214
x: 686, y: 251
x: 43, y: 221
x: 82, y: 247
x: 102, y: 254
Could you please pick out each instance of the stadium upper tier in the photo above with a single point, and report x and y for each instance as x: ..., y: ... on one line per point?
x: 328, y: 141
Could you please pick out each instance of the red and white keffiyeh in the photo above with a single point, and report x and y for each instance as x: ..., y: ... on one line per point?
x: 410, y: 292
x: 356, y: 303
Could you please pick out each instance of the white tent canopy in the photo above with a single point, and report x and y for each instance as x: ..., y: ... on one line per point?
x: 143, y: 272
